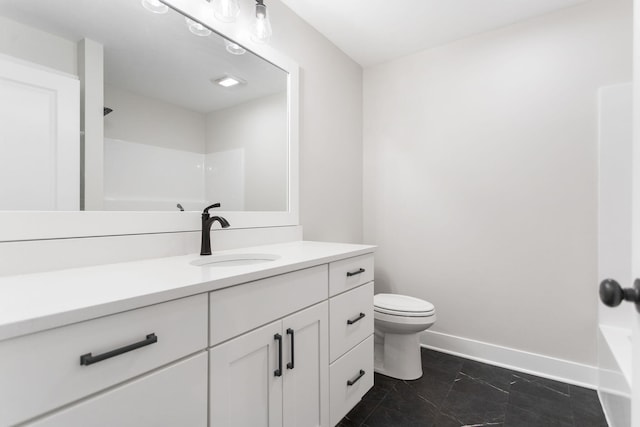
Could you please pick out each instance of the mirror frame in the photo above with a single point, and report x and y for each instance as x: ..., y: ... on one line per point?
x: 36, y: 225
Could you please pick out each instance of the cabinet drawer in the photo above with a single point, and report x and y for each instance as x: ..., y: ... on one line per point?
x: 349, y: 273
x: 238, y: 309
x: 173, y: 396
x: 343, y: 372
x: 42, y: 371
x: 351, y: 319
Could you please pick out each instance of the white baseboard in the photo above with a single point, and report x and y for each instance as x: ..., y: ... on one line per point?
x: 517, y: 360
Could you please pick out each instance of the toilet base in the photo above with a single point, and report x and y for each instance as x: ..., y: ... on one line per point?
x: 397, y: 355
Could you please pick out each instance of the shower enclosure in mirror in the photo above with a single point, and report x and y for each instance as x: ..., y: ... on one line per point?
x: 107, y: 106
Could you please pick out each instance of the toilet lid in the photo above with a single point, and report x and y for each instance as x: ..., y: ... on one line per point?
x: 402, y: 304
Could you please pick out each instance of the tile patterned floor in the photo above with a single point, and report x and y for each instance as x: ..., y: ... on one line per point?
x: 459, y: 392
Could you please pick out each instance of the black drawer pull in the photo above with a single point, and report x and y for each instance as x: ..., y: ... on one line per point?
x: 291, y: 365
x: 355, y: 273
x: 357, y: 319
x: 278, y: 372
x: 355, y: 380
x: 88, y: 359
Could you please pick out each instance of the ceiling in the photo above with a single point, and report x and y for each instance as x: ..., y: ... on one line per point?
x: 153, y: 55
x: 375, y: 31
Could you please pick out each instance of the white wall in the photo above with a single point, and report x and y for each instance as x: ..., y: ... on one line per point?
x: 480, y: 171
x: 330, y: 129
x: 258, y: 130
x: 144, y: 120
x: 37, y: 46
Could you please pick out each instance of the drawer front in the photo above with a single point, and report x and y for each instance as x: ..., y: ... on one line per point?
x: 42, y: 371
x: 350, y: 273
x: 174, y: 396
x: 238, y: 309
x: 351, y: 319
x: 344, y: 372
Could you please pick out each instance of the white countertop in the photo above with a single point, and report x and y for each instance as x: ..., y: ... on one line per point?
x: 35, y: 302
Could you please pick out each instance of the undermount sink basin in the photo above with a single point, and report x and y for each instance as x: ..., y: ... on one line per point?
x: 232, y: 260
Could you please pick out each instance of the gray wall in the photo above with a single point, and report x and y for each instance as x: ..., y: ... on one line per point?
x: 259, y: 129
x: 37, y: 46
x: 330, y: 129
x: 480, y: 174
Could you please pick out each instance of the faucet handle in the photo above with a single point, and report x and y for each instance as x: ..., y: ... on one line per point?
x: 206, y: 210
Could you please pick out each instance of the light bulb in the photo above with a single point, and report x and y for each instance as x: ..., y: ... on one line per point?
x: 155, y: 6
x: 233, y: 48
x: 197, y: 28
x: 261, y: 27
x: 226, y: 10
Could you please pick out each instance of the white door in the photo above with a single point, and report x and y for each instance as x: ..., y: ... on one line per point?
x: 306, y: 376
x: 635, y: 254
x: 39, y: 137
x: 619, y: 249
x: 614, y: 251
x: 245, y: 387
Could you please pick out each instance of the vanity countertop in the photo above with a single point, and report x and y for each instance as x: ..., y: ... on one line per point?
x: 34, y: 302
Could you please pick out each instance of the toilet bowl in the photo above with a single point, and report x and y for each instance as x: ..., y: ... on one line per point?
x: 398, y: 321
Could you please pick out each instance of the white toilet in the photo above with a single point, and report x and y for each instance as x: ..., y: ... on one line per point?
x: 398, y: 321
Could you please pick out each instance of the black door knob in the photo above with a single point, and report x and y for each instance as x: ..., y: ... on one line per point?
x: 612, y: 294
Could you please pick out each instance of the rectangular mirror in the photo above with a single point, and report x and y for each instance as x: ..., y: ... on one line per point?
x: 108, y: 106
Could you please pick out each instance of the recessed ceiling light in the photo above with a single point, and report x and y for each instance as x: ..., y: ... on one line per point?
x: 233, y: 48
x: 197, y: 28
x: 228, y: 81
x: 155, y: 6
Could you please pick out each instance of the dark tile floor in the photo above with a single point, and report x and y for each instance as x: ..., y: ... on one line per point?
x: 459, y: 392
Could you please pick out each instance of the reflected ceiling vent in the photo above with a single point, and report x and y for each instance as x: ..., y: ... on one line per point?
x: 106, y: 110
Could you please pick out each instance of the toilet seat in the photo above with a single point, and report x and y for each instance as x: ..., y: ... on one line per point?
x: 402, y: 305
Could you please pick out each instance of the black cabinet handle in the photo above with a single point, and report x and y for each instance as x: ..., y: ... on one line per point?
x: 355, y: 273
x: 278, y: 372
x: 290, y: 365
x: 357, y: 319
x: 355, y: 380
x: 88, y: 359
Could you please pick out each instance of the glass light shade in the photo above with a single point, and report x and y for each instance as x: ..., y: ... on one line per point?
x: 234, y: 48
x: 155, y: 6
x: 261, y: 27
x: 226, y: 10
x: 197, y: 28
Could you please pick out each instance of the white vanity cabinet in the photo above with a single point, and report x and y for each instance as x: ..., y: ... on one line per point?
x: 351, y: 332
x: 43, y: 371
x: 173, y: 396
x: 289, y: 346
x: 307, y: 369
x: 276, y: 375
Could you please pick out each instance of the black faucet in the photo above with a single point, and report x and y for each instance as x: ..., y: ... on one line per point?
x: 207, y: 221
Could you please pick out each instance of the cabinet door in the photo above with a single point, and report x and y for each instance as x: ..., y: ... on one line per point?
x: 306, y: 376
x: 244, y: 390
x: 173, y: 396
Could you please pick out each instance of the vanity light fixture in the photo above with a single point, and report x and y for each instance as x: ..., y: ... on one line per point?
x: 197, y: 28
x: 233, y: 48
x: 226, y: 10
x: 155, y: 6
x: 228, y: 81
x: 262, y: 26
